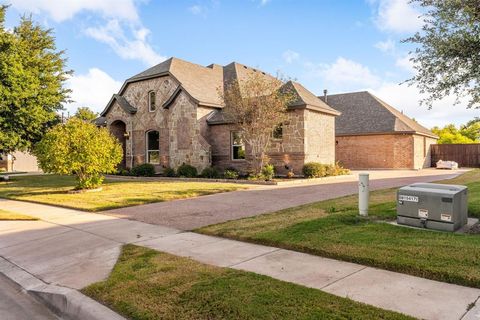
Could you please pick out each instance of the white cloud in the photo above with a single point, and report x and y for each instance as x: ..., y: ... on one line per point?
x: 290, y: 56
x: 123, y: 31
x: 135, y: 46
x: 66, y: 9
x: 264, y: 2
x: 398, y: 16
x: 387, y: 46
x: 406, y: 98
x: 344, y: 73
x: 196, y: 9
x: 405, y: 63
x: 92, y: 90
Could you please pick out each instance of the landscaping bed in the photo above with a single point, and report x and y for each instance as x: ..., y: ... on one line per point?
x: 147, y: 284
x: 334, y: 229
x: 53, y: 190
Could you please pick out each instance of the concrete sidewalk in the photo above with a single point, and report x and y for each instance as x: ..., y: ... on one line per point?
x: 73, y: 249
x: 189, y: 214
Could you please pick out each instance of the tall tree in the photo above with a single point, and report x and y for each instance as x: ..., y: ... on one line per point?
x: 256, y: 105
x: 447, y: 59
x: 86, y: 114
x: 32, y: 77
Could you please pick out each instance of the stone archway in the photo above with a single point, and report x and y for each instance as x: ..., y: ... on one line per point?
x: 119, y: 130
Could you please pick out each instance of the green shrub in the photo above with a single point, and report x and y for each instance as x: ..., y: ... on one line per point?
x: 314, y: 170
x: 230, y: 173
x: 80, y: 148
x: 143, y: 170
x: 319, y: 170
x: 210, y: 172
x: 186, y: 170
x: 123, y: 172
x: 169, y: 172
x: 268, y: 171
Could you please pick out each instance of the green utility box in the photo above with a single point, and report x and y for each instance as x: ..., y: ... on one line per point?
x: 433, y: 206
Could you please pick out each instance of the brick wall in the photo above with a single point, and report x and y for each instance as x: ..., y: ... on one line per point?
x: 393, y: 151
x: 307, y: 136
x: 422, y: 154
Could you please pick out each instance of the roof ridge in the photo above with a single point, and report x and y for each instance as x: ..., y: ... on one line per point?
x: 399, y: 115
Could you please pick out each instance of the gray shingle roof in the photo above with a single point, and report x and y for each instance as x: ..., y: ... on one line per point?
x: 305, y: 98
x: 364, y: 113
x: 124, y: 104
x: 204, y: 84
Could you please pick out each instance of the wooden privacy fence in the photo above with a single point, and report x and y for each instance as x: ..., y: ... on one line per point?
x: 466, y: 155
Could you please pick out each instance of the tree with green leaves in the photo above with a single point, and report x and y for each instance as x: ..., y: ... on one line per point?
x: 468, y: 133
x: 256, y: 106
x: 32, y: 77
x: 85, y: 114
x: 447, y: 59
x: 80, y: 148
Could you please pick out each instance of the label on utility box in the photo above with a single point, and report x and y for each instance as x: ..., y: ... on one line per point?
x: 402, y: 197
x: 423, y: 213
x: 446, y: 217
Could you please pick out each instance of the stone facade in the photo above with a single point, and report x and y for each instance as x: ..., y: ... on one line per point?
x: 190, y: 127
x: 179, y: 129
x: 387, y: 151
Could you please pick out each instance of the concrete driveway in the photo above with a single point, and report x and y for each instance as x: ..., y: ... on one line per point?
x: 17, y: 305
x: 193, y: 213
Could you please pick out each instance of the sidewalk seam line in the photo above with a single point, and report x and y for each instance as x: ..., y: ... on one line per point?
x: 348, y: 275
x: 250, y: 259
x: 468, y: 310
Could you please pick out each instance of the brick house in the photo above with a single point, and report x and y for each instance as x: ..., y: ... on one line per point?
x: 172, y: 114
x: 371, y: 134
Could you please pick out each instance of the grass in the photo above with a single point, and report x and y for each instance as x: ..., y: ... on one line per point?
x: 333, y: 229
x: 147, y: 284
x: 8, y: 215
x: 53, y: 189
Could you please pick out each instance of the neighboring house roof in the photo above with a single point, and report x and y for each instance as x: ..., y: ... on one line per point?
x: 364, y: 113
x: 205, y: 84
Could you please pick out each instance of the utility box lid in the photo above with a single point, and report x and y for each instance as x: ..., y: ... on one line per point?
x: 434, y: 206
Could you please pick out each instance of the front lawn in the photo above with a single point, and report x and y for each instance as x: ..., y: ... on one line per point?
x: 333, y: 229
x: 53, y: 189
x: 147, y: 284
x: 8, y: 215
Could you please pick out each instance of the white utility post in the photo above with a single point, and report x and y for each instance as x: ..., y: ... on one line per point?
x: 363, y: 186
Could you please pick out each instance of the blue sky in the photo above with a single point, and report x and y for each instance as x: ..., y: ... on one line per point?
x: 342, y: 46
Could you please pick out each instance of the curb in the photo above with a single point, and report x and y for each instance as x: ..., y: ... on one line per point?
x: 293, y: 181
x: 65, y: 302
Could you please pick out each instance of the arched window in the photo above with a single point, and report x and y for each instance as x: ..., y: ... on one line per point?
x: 153, y: 147
x: 151, y: 101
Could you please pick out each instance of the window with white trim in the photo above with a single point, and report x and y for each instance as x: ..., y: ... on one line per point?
x: 151, y: 101
x: 238, y: 146
x: 153, y: 147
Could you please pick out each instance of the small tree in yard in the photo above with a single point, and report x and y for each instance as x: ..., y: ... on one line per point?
x: 256, y: 105
x: 80, y: 148
x: 85, y: 114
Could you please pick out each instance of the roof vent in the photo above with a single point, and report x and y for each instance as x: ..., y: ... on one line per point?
x: 245, y: 67
x: 325, y: 91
